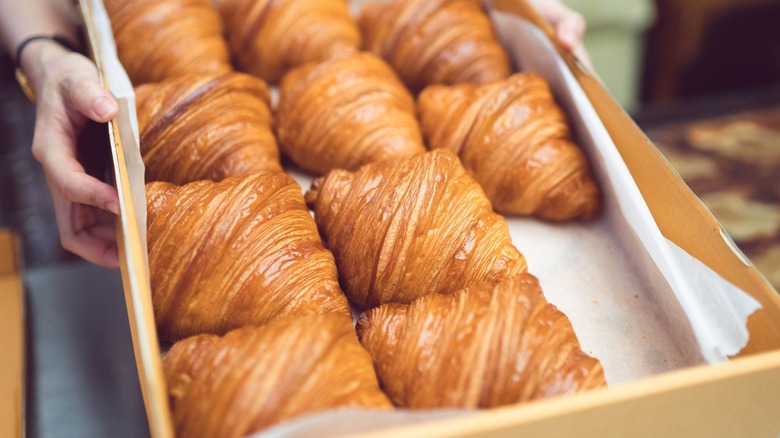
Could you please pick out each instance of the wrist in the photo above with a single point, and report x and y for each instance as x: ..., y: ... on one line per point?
x: 36, y: 57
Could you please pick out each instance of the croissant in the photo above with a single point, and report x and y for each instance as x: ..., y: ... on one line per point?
x: 160, y: 39
x: 482, y: 347
x: 515, y: 141
x: 244, y: 251
x: 346, y: 112
x: 269, y: 37
x: 255, y: 377
x: 434, y: 41
x: 410, y: 227
x: 206, y: 127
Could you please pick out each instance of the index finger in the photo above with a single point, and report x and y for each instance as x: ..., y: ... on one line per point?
x: 56, y: 150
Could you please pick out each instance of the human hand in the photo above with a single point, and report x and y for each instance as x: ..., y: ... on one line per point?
x: 68, y: 96
x: 569, y: 26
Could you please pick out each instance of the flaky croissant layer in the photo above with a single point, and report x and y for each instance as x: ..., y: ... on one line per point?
x: 434, y: 41
x: 514, y: 139
x: 269, y: 37
x: 244, y: 251
x: 206, y: 127
x: 405, y: 228
x: 255, y: 377
x: 162, y: 39
x: 346, y: 112
x: 485, y: 346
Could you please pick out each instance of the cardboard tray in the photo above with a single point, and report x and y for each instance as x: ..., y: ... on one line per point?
x: 738, y: 398
x: 12, y: 341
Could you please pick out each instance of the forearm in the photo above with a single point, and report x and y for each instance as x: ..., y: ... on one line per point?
x: 19, y: 19
x: 22, y: 18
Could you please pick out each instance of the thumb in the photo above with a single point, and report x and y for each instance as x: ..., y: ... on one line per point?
x: 84, y: 94
x: 571, y: 29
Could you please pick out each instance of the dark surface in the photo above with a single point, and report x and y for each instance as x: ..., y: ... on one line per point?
x: 25, y: 203
x: 699, y: 48
x: 82, y: 379
x: 740, y: 52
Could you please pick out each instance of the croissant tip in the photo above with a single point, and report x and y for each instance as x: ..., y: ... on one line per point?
x: 591, y: 205
x: 362, y: 323
x: 582, y: 204
x: 313, y: 194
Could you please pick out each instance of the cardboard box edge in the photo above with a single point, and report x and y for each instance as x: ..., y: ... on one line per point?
x: 12, y: 338
x: 139, y: 308
x: 570, y: 416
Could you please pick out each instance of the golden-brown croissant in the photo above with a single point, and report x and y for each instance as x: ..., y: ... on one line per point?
x: 269, y: 37
x: 160, y: 39
x: 485, y: 346
x: 243, y: 251
x: 434, y: 41
x: 206, y: 127
x: 405, y: 228
x: 255, y: 377
x: 346, y: 112
x: 515, y: 141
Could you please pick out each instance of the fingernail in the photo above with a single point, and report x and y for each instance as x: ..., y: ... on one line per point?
x: 113, y: 207
x: 103, y: 107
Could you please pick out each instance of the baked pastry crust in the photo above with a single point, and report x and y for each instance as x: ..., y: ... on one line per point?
x: 515, y: 140
x: 255, y: 377
x: 346, y: 112
x: 406, y: 228
x: 206, y: 127
x: 244, y: 251
x: 161, y: 39
x: 485, y: 346
x: 269, y: 37
x: 434, y: 41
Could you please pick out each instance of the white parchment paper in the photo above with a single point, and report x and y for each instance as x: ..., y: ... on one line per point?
x: 719, y: 327
x: 127, y: 120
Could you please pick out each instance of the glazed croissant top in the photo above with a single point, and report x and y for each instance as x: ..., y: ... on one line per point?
x: 255, y: 377
x: 434, y: 41
x: 482, y: 347
x: 160, y: 39
x: 405, y: 228
x: 244, y: 251
x: 206, y: 127
x: 346, y: 112
x: 269, y: 37
x: 516, y: 142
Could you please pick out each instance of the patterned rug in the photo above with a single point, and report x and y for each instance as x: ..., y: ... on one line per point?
x: 733, y: 164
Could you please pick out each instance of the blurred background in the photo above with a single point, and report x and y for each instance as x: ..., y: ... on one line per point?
x: 701, y: 77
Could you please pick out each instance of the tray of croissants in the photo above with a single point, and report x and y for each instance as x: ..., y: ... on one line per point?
x: 381, y: 209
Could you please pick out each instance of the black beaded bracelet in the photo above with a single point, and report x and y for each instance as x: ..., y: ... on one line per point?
x: 20, y: 76
x: 59, y: 39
